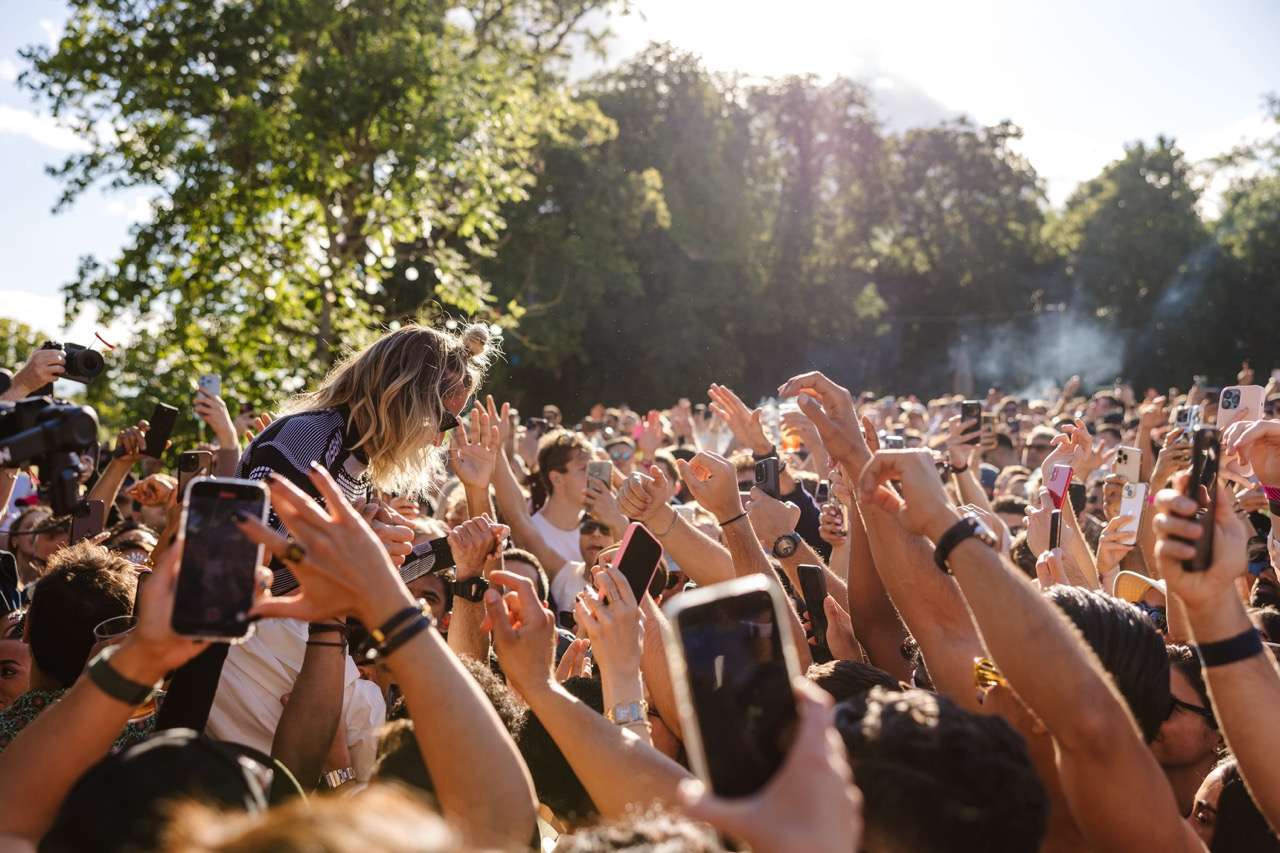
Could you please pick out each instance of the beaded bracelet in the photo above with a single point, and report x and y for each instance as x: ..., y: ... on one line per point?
x: 416, y: 627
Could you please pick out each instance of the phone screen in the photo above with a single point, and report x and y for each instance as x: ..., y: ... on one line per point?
x: 161, y: 427
x: 822, y: 494
x: 739, y: 688
x: 638, y: 558
x: 1203, y: 488
x: 971, y: 410
x: 216, y: 579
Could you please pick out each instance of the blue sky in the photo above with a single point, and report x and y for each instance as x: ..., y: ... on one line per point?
x: 1081, y: 78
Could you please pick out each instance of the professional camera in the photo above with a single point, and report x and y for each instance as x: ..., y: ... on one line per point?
x: 83, y: 364
x: 51, y: 435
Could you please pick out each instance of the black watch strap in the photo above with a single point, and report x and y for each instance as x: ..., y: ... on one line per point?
x: 471, y: 589
x: 109, y: 680
x: 760, y: 457
x: 956, y: 533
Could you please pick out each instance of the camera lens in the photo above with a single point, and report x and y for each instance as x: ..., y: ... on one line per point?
x: 86, y: 362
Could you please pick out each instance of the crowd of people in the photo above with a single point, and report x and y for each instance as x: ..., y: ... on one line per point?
x: 1000, y: 665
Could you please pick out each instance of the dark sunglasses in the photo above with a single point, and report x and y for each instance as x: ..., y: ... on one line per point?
x: 586, y: 528
x: 1175, y: 703
x: 449, y: 421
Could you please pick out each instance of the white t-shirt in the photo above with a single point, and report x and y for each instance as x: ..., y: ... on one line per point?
x: 246, y: 709
x: 565, y: 586
x: 563, y: 542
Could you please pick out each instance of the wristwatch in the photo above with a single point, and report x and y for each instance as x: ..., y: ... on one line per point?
x: 628, y: 713
x: 338, y: 778
x: 785, y: 545
x: 111, y: 682
x: 966, y: 527
x: 471, y: 589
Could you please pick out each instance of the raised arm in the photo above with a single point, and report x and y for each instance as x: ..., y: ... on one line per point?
x: 314, y: 710
x: 1243, y: 680
x: 474, y: 452
x: 489, y: 797
x: 617, y: 768
x: 477, y: 551
x: 47, y: 757
x: 702, y: 558
x: 213, y: 411
x: 1103, y: 763
x: 129, y: 445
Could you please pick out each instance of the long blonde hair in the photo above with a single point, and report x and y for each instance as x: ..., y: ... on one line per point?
x: 395, y: 390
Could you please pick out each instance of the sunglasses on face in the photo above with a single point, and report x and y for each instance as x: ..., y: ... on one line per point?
x: 1175, y: 703
x: 448, y: 420
x: 621, y: 454
x: 589, y: 527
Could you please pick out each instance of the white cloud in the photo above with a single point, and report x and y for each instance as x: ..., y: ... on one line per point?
x: 135, y: 210
x: 52, y: 31
x: 45, y: 313
x: 38, y: 128
x: 8, y: 70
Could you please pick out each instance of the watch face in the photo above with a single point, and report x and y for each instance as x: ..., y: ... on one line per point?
x: 785, y: 545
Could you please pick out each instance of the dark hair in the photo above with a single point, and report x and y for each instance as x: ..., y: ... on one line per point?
x: 554, y: 452
x: 554, y: 779
x: 844, y: 679
x: 1241, y: 827
x: 669, y: 466
x: 1187, y: 662
x: 543, y: 587
x: 936, y: 777
x: 123, y: 802
x: 1268, y: 621
x: 649, y: 831
x: 1021, y: 555
x: 84, y: 585
x: 1010, y: 503
x: 400, y: 760
x: 1128, y: 645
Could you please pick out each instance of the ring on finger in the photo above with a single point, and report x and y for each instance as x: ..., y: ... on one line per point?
x: 294, y: 552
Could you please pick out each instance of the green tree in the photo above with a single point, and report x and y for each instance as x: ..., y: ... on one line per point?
x: 17, y: 341
x: 302, y: 153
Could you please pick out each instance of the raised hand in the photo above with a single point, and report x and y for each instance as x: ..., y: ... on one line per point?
x: 1174, y: 521
x: 651, y: 438
x: 392, y: 529
x: 643, y: 496
x: 713, y: 482
x: 213, y: 411
x: 603, y: 506
x: 1175, y: 455
x: 831, y: 524
x: 771, y: 518
x: 477, y: 546
x: 959, y: 452
x: 574, y: 663
x: 523, y: 632
x: 1036, y: 521
x: 1114, y: 544
x: 811, y: 804
x: 499, y: 417
x: 841, y: 641
x: 744, y: 422
x: 131, y: 441
x: 343, y: 568
x: 1256, y: 444
x: 42, y: 367
x: 830, y: 408
x: 155, y: 490
x: 923, y: 507
x: 257, y: 425
x: 609, y: 614
x: 474, y: 449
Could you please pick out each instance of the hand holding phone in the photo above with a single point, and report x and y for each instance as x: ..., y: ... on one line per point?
x: 638, y: 558
x: 1133, y: 499
x: 1202, y: 487
x: 218, y: 575
x: 211, y: 384
x: 971, y: 411
x: 192, y: 464
x: 767, y: 477
x: 1128, y: 463
x: 732, y: 664
x: 813, y: 585
x: 602, y: 472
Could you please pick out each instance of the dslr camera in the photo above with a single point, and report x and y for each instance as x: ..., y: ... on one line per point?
x: 51, y: 435
x: 83, y: 364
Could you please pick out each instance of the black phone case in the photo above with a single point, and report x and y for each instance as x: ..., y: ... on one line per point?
x: 972, y: 412
x: 813, y: 586
x: 767, y: 478
x: 1204, y: 474
x: 162, y: 421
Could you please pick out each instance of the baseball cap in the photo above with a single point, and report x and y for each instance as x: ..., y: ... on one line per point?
x: 1131, y: 586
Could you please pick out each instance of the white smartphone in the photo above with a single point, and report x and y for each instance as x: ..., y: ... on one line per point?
x: 211, y: 384
x: 602, y: 471
x: 1239, y: 403
x: 1132, y: 500
x: 1128, y: 463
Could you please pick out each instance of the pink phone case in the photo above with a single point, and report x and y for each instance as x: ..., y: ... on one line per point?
x: 1059, y: 481
x: 626, y: 540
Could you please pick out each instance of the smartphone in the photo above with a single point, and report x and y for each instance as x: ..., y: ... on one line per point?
x: 822, y: 494
x: 537, y: 426
x: 162, y: 421
x: 767, y: 477
x: 1203, y: 488
x: 971, y: 410
x: 217, y: 577
x: 1239, y: 403
x: 732, y: 662
x: 1182, y: 417
x: 602, y: 471
x: 432, y: 556
x: 87, y: 520
x: 211, y: 384
x: 813, y: 586
x: 1128, y: 463
x: 1078, y: 497
x: 192, y: 464
x: 895, y: 442
x: 638, y: 558
x: 1133, y: 499
x: 1059, y: 483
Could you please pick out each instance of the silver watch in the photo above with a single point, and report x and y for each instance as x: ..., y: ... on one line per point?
x: 338, y: 778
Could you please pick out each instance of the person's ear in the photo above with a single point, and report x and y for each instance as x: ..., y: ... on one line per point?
x: 554, y: 478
